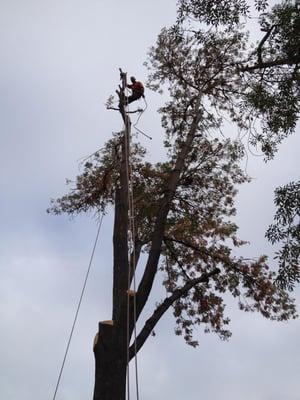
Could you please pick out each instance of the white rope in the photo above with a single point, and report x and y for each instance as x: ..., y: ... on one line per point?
x: 126, y: 144
x: 134, y: 282
x: 129, y: 177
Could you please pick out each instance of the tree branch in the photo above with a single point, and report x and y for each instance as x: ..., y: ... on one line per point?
x: 127, y: 112
x: 163, y: 307
x: 262, y: 42
x: 146, y: 283
x: 176, y: 260
x: 269, y: 64
x: 137, y: 249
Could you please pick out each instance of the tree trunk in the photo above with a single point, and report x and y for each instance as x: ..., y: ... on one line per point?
x: 111, y: 343
x: 111, y: 360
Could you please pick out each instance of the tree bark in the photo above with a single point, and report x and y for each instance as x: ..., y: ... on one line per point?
x: 112, y: 341
x: 110, y: 360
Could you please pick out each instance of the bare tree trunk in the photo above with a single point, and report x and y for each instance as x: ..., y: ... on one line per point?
x: 111, y: 347
x: 111, y: 359
x: 111, y: 342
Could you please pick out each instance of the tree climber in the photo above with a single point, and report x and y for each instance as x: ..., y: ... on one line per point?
x: 137, y: 89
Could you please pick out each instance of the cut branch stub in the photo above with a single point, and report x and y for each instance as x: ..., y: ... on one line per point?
x: 122, y: 97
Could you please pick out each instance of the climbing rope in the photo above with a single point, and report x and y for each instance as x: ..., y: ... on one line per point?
x: 138, y: 119
x: 126, y: 145
x: 134, y: 284
x: 129, y: 177
x: 132, y: 228
x: 78, y: 308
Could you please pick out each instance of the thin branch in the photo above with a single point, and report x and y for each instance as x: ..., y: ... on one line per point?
x: 178, y: 75
x: 127, y: 112
x: 177, y: 261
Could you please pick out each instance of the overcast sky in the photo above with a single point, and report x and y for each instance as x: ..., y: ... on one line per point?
x: 59, y: 64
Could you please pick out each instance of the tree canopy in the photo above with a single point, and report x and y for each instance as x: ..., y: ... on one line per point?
x: 210, y: 72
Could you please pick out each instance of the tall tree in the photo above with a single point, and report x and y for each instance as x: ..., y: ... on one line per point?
x: 183, y: 207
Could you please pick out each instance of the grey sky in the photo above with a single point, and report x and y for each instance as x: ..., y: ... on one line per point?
x: 59, y: 64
